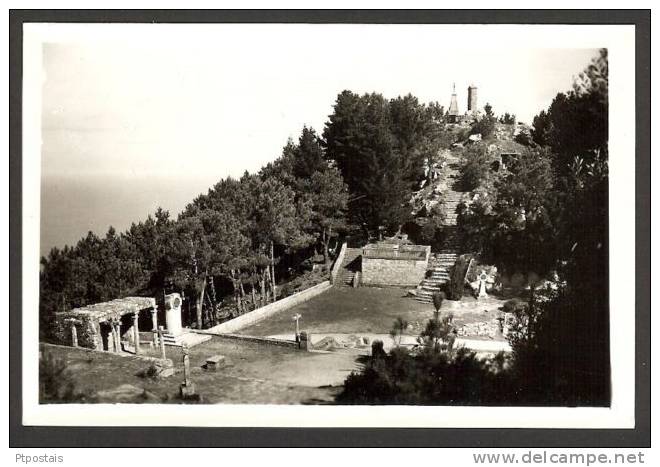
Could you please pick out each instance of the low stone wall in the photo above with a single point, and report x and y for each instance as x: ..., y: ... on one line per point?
x: 257, y: 339
x: 338, y: 262
x: 252, y: 317
x: 393, y: 272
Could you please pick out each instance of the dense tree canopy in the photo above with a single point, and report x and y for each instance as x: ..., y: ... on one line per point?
x: 576, y: 123
x: 380, y: 148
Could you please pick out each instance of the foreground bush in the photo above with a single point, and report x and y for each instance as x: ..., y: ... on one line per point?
x: 55, y: 382
x: 428, y: 377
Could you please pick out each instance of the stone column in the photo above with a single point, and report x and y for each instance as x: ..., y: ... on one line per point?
x: 136, y: 332
x: 112, y: 342
x: 187, y: 388
x: 296, y: 318
x: 161, y: 339
x: 74, y: 332
x: 154, y: 324
x: 117, y: 334
x: 74, y: 335
x: 110, y: 339
x: 186, y: 365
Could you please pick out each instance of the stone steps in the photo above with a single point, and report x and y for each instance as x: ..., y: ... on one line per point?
x: 346, y: 275
x: 188, y: 338
x: 431, y: 287
x: 437, y: 276
x: 347, y: 278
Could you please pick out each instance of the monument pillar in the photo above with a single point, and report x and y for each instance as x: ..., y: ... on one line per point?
x: 173, y: 314
x: 187, y: 388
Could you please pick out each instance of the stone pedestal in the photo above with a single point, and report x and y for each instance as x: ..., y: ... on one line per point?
x: 187, y: 390
x: 305, y: 342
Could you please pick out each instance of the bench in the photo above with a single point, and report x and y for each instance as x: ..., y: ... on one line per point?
x: 215, y: 362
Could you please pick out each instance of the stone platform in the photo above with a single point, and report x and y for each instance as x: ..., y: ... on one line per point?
x: 188, y: 338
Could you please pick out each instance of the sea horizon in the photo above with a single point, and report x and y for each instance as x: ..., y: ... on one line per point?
x: 73, y: 205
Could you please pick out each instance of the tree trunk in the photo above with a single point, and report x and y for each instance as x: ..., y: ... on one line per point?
x: 268, y: 283
x: 262, y: 284
x: 237, y: 294
x: 272, y: 262
x: 209, y: 310
x: 254, y: 296
x: 326, y: 243
x: 213, y: 299
x: 242, y: 290
x: 199, y: 304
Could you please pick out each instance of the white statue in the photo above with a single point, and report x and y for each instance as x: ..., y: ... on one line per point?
x: 483, y: 277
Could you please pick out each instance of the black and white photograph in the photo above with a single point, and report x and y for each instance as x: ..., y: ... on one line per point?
x: 329, y: 225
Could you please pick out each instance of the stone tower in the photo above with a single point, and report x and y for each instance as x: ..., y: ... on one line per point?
x: 453, y: 107
x: 472, y: 98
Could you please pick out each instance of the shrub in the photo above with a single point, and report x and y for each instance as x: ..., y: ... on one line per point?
x: 55, y: 382
x: 474, y: 168
x: 429, y: 377
x: 398, y: 328
x: 438, y: 298
x: 150, y: 372
x: 457, y: 278
x: 486, y: 124
x: 524, y: 138
x: 377, y: 349
x: 508, y: 119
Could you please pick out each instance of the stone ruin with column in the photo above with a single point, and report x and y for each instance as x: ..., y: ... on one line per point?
x: 123, y: 324
x: 109, y: 326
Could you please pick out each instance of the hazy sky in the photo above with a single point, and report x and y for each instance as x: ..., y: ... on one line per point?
x: 211, y: 108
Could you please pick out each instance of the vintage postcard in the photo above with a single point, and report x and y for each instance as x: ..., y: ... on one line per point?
x: 389, y: 225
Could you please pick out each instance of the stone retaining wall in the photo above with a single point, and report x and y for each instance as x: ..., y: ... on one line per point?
x: 258, y: 339
x: 252, y: 317
x: 338, y: 263
x: 393, y: 272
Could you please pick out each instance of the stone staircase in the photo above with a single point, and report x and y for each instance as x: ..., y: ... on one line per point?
x: 451, y: 202
x: 350, y: 265
x: 437, y: 276
x: 188, y: 337
x: 440, y: 264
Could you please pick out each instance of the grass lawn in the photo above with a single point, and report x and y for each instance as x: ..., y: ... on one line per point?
x: 348, y: 310
x: 254, y: 374
x: 369, y: 310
